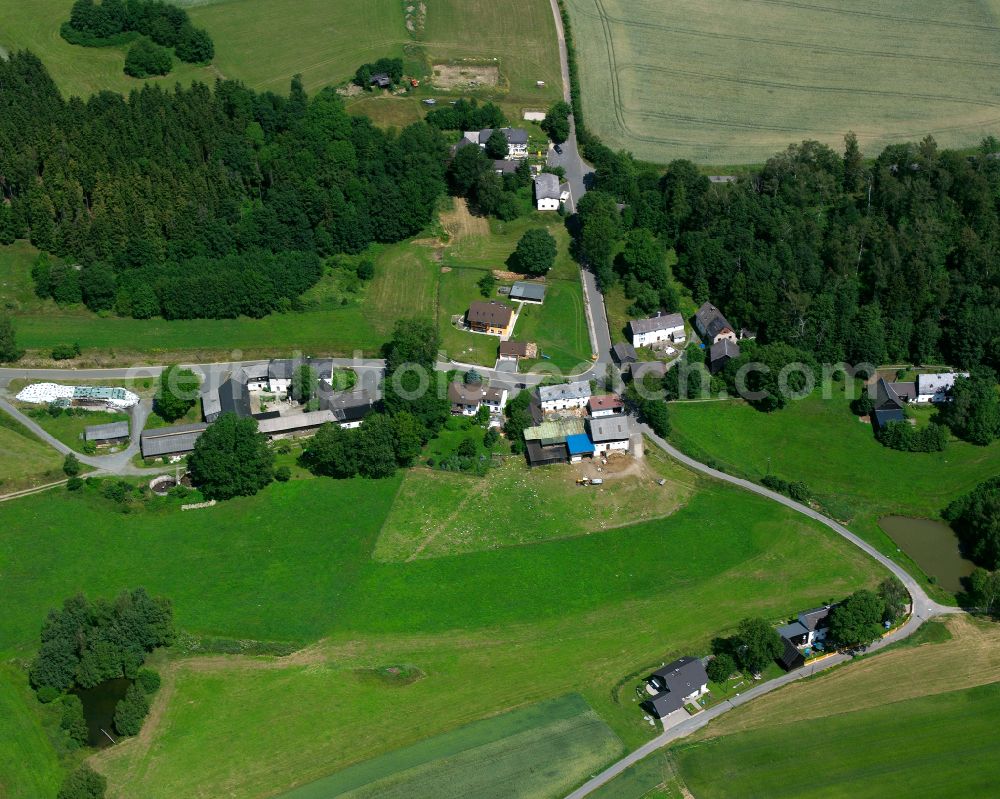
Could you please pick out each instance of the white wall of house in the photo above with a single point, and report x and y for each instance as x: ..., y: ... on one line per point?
x: 658, y: 336
x: 547, y: 204
x: 350, y: 425
x: 279, y: 385
x: 604, y: 412
x: 605, y: 447
x: 564, y: 404
x: 257, y: 384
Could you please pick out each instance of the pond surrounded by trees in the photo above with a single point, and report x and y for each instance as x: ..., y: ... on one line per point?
x: 99, y: 705
x: 933, y: 545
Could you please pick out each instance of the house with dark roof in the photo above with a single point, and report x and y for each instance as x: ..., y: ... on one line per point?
x: 103, y: 435
x: 170, y: 441
x: 721, y: 353
x: 493, y: 318
x: 676, y: 683
x: 517, y: 140
x: 712, y: 326
x: 505, y: 166
x: 523, y: 291
x: 658, y: 329
x: 517, y: 349
x: 889, y: 400
x: 349, y: 408
x: 539, y: 454
x: 610, y: 433
x: 624, y: 353
x: 381, y: 80
x: 809, y: 627
x: 467, y: 399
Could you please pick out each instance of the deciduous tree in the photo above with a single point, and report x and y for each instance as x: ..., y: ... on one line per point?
x: 231, y: 459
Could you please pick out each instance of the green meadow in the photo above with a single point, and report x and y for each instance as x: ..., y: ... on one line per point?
x: 486, y: 630
x: 944, y: 745
x: 26, y: 460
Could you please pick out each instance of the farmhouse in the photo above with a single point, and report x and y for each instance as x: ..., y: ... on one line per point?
x: 466, y: 400
x: 517, y: 140
x: 712, y: 326
x: 231, y: 397
x: 523, y: 291
x: 493, y: 318
x: 721, y: 353
x: 605, y: 405
x: 548, y: 442
x: 610, y: 434
x: 547, y: 193
x: 279, y: 372
x: 564, y: 397
x: 658, y: 329
x: 255, y: 376
x: 675, y: 684
x: 103, y: 435
x: 169, y: 441
x: 624, y: 354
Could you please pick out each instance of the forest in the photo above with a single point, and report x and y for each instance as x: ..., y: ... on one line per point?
x: 892, y: 261
x: 201, y: 202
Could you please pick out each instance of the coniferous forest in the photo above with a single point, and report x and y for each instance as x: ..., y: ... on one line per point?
x: 201, y: 202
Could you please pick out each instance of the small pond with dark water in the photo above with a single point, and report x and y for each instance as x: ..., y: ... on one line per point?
x: 99, y: 705
x: 934, y: 547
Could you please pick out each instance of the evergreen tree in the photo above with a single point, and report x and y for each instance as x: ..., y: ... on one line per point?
x: 9, y: 351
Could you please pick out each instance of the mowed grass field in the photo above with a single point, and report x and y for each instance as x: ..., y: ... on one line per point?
x: 440, y: 513
x: 731, y: 82
x: 822, y: 443
x: 916, y: 721
x: 26, y: 460
x: 29, y: 768
x: 488, y: 631
x: 535, y: 752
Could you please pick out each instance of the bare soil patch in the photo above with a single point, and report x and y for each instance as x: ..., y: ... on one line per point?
x: 465, y: 76
x: 461, y: 223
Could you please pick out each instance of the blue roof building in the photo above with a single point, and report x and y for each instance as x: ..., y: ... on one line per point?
x: 579, y: 445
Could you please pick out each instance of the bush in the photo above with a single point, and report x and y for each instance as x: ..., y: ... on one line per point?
x: 116, y: 490
x: 721, y: 667
x: 148, y: 680
x: 146, y: 58
x: 907, y: 438
x: 71, y: 465
x: 366, y: 269
x: 64, y: 352
x: 74, y: 484
x: 84, y: 783
x: 72, y: 721
x: 283, y: 474
x: 490, y: 438
x: 48, y: 693
x: 131, y: 711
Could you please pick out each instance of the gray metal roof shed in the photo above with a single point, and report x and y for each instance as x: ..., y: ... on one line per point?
x: 105, y: 432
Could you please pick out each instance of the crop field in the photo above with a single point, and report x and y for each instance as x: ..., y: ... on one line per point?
x: 822, y: 443
x: 544, y: 620
x: 535, y: 752
x: 732, y: 82
x: 441, y: 513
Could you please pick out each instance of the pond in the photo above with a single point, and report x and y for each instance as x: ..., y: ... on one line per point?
x: 934, y: 547
x: 99, y: 709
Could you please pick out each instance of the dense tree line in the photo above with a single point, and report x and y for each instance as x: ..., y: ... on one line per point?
x: 93, y: 24
x: 467, y: 115
x: 820, y: 251
x: 85, y: 643
x: 973, y: 412
x: 471, y: 175
x: 976, y: 519
x: 908, y: 438
x: 198, y: 201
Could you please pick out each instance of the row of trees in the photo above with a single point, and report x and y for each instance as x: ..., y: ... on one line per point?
x: 85, y: 643
x: 976, y: 520
x: 198, y: 201
x: 93, y: 24
x: 467, y: 115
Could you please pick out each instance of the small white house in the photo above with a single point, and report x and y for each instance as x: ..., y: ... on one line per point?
x: 547, y: 193
x: 610, y: 434
x: 934, y: 387
x: 657, y: 329
x: 564, y: 397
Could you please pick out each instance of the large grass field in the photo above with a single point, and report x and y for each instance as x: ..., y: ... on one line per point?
x: 732, y: 82
x: 822, y: 443
x: 488, y: 631
x: 29, y: 767
x: 538, y: 751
